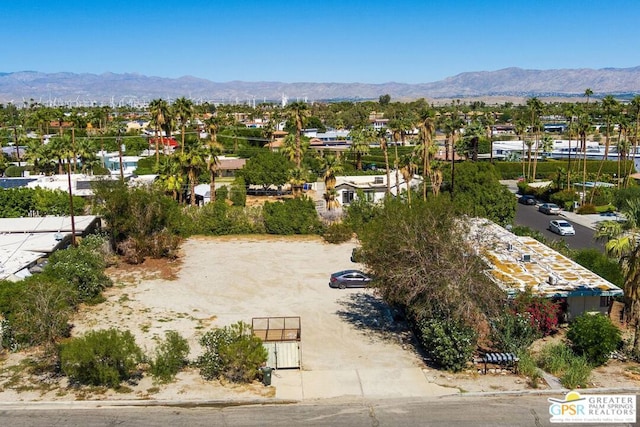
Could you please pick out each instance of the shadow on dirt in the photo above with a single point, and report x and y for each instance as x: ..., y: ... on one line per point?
x: 374, y: 318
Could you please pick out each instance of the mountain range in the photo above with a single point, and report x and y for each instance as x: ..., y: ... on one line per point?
x: 130, y: 88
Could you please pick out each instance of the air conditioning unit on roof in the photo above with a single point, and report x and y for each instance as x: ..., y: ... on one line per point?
x: 526, y: 258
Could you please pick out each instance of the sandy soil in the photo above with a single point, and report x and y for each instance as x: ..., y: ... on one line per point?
x: 219, y: 281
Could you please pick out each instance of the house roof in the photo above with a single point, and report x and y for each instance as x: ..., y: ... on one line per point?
x: 23, y: 241
x: 231, y: 163
x: 521, y: 262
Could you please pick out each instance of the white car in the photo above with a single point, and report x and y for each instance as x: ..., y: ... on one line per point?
x: 562, y: 227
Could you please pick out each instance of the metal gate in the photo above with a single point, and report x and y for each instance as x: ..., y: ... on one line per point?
x: 281, y: 337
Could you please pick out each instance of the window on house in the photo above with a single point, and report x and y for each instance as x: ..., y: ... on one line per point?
x: 605, y: 301
x: 347, y: 197
x: 369, y: 195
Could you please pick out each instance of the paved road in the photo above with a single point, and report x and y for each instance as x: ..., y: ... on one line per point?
x: 524, y: 410
x: 530, y: 217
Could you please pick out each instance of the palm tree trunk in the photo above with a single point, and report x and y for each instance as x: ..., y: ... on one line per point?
x: 386, y: 167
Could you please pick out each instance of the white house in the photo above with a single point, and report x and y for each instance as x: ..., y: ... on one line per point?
x: 374, y: 187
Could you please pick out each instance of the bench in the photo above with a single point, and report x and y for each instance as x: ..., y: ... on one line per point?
x: 507, y: 360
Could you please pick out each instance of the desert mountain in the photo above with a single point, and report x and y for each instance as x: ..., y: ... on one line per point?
x: 88, y: 89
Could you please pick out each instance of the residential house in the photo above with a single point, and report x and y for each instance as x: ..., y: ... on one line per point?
x: 373, y: 187
x: 519, y: 263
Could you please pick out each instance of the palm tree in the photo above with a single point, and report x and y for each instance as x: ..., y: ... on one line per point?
x: 298, y: 112
x: 635, y: 107
x: 407, y: 170
x: 535, y: 107
x: 427, y: 128
x: 184, y: 112
x: 520, y: 127
x: 297, y: 177
x: 588, y: 92
x: 332, y: 166
x: 360, y: 140
x: 159, y: 110
x: 583, y: 127
x: 193, y: 163
x: 623, y: 243
x: 170, y: 176
x: 382, y: 136
x: 213, y: 150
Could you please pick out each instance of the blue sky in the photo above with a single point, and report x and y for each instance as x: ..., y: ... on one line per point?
x: 316, y: 41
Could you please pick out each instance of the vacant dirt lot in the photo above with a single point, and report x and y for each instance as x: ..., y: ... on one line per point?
x: 219, y: 281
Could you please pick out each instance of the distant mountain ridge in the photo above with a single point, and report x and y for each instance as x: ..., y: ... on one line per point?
x: 105, y: 88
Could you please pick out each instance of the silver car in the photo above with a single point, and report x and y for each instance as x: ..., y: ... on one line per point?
x: 562, y: 227
x: 549, y: 208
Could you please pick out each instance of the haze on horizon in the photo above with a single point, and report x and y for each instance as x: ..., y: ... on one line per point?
x: 408, y: 41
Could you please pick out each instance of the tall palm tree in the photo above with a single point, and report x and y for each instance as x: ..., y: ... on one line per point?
x: 520, y: 128
x: 360, y: 140
x: 159, y: 110
x: 382, y: 137
x: 332, y: 167
x: 407, y: 170
x: 183, y: 111
x: 426, y: 128
x: 213, y: 150
x: 635, y: 108
x: 623, y: 243
x: 170, y: 176
x: 298, y: 112
x: 583, y: 128
x: 193, y: 162
x: 535, y: 107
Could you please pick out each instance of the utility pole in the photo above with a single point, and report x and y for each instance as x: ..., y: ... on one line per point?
x: 73, y: 221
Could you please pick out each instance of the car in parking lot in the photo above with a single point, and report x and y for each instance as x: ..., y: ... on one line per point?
x: 349, y: 279
x: 527, y: 199
x: 549, y: 208
x: 561, y: 227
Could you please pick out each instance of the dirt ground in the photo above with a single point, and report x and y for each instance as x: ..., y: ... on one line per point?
x: 219, y: 281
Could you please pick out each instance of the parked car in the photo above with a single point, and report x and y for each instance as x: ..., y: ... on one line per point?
x: 527, y: 199
x: 549, y: 208
x: 349, y: 279
x: 562, y: 227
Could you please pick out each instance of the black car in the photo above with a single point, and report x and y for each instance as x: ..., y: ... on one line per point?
x: 527, y: 199
x: 349, y: 279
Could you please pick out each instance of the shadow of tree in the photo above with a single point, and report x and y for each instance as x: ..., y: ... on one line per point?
x: 374, y: 318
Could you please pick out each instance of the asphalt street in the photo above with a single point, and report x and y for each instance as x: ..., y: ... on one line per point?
x: 584, y: 238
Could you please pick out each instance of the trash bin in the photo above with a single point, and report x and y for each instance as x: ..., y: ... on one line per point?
x: 266, y: 375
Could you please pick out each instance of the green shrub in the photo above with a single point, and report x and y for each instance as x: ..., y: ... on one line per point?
x: 542, y: 312
x: 527, y: 367
x: 576, y: 374
x: 101, y: 358
x: 293, y: 216
x: 41, y: 311
x: 232, y: 353
x: 564, y: 198
x: 594, y: 337
x: 338, y: 232
x: 13, y: 171
x: 238, y: 194
x: 449, y: 343
x: 587, y: 209
x: 555, y: 358
x: 81, y: 266
x: 171, y: 356
x: 222, y: 193
x: 512, y: 332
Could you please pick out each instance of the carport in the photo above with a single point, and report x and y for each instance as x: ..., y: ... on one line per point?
x: 281, y: 337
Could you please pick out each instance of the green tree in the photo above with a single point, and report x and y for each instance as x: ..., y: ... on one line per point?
x: 265, y: 169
